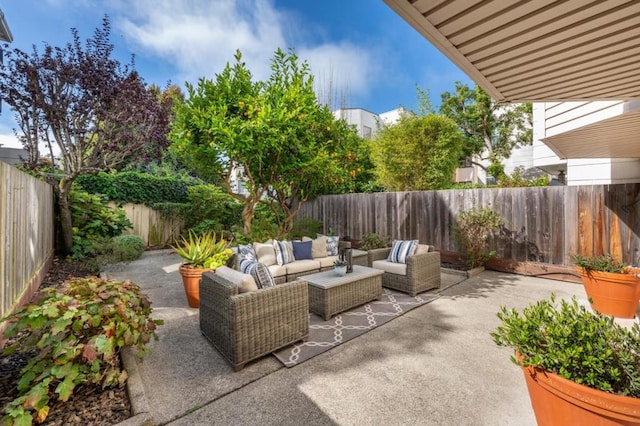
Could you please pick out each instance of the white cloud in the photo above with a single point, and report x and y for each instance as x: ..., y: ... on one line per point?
x: 344, y: 69
x: 9, y: 140
x: 200, y: 36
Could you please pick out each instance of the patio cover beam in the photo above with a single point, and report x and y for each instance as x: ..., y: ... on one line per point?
x: 536, y: 51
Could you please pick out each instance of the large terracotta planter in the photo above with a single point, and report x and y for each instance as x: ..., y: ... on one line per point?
x: 612, y: 294
x: 558, y: 401
x: 191, y: 281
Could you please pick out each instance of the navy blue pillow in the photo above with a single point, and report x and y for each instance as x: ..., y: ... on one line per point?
x: 302, y: 250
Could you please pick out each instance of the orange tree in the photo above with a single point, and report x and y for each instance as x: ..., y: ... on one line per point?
x: 274, y: 132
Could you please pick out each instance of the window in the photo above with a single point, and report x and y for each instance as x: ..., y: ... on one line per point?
x: 366, y: 132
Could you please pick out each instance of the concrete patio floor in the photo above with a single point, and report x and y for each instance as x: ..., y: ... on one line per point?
x: 435, y: 365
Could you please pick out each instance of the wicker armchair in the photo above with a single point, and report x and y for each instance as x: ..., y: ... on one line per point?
x: 423, y: 271
x: 247, y: 326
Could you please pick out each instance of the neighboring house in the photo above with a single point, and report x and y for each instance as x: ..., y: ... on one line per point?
x: 12, y: 155
x: 591, y: 130
x: 366, y: 122
x: 238, y: 181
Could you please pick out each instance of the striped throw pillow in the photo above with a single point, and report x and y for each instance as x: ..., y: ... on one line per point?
x: 284, y: 252
x: 259, y: 271
x: 401, y: 250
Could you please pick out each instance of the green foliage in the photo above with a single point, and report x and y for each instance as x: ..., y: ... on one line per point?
x: 417, y: 153
x: 601, y: 263
x: 123, y: 248
x: 585, y: 347
x: 472, y: 230
x: 304, y: 227
x: 94, y: 222
x: 262, y: 228
x: 372, y: 241
x: 76, y: 333
x: 286, y: 144
x: 203, y: 251
x: 517, y: 180
x: 210, y: 203
x: 138, y: 188
x: 489, y: 127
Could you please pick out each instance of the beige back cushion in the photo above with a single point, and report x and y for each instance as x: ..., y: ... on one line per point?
x: 423, y: 248
x: 266, y: 253
x: 245, y: 282
x: 318, y: 246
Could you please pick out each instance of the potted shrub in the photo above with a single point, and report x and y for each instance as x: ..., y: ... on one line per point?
x: 580, y: 367
x: 340, y: 266
x: 613, y: 288
x: 200, y: 253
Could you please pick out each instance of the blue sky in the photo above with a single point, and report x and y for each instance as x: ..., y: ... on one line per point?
x: 360, y: 51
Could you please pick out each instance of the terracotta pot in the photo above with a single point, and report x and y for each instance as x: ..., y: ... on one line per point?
x: 558, y: 401
x: 191, y: 281
x: 612, y: 294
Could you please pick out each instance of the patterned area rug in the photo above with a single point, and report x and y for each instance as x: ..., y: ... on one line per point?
x: 324, y: 335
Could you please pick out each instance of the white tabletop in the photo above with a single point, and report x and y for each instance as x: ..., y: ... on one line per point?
x: 329, y: 279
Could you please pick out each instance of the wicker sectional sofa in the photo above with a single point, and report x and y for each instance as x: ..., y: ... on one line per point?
x: 298, y: 268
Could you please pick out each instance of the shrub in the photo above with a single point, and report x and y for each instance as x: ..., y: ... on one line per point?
x: 123, y: 248
x: 304, y: 227
x: 209, y: 202
x: 472, y: 232
x: 93, y: 223
x: 372, y: 241
x: 76, y: 332
x: 604, y: 263
x: 568, y: 340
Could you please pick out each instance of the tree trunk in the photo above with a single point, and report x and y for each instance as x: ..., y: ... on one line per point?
x: 66, y: 225
x: 248, y: 211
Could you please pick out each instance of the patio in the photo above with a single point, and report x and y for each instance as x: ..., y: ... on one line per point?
x: 434, y: 365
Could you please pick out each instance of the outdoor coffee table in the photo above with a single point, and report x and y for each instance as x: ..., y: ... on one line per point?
x: 330, y: 293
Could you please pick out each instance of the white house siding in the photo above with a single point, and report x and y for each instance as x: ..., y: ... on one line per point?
x: 365, y: 122
x: 553, y: 118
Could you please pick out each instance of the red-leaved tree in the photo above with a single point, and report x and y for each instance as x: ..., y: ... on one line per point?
x: 99, y: 114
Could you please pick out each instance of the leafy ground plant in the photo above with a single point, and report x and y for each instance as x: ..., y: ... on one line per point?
x: 603, y: 263
x: 76, y: 333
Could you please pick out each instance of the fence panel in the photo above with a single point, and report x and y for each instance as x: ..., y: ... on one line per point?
x: 154, y: 229
x: 542, y: 224
x: 26, y: 235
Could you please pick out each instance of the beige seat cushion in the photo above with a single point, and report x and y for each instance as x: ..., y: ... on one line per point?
x: 277, y: 270
x: 327, y: 261
x: 303, y: 265
x: 266, y: 253
x: 318, y: 246
x: 245, y: 282
x: 390, y: 267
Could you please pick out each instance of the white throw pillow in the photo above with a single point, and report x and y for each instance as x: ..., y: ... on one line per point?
x: 401, y: 250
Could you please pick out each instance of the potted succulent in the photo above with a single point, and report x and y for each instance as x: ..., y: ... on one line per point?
x: 340, y: 266
x: 580, y: 367
x: 199, y: 253
x: 613, y: 288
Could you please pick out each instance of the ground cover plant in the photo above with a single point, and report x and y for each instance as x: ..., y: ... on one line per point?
x: 73, y: 335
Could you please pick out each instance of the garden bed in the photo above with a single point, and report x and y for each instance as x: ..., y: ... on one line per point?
x: 88, y: 404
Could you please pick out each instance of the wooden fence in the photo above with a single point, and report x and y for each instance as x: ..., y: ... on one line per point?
x: 155, y: 230
x: 543, y: 224
x: 26, y: 235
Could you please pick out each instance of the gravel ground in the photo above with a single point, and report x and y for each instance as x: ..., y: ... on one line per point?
x: 88, y: 404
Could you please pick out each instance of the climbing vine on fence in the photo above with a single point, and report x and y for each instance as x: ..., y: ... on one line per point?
x: 136, y: 187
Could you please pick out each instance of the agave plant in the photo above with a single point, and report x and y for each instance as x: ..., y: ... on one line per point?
x: 203, y: 251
